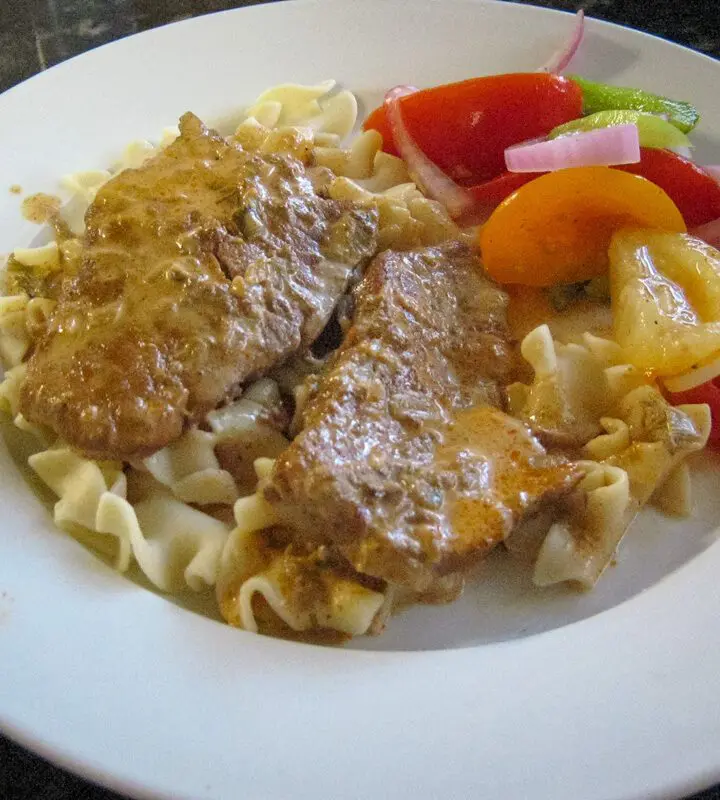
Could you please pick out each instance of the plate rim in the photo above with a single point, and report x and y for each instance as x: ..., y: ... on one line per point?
x: 63, y: 756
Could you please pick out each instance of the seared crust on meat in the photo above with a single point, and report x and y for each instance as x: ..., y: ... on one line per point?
x: 199, y: 270
x: 405, y: 465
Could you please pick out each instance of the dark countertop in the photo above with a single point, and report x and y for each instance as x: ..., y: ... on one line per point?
x: 36, y: 34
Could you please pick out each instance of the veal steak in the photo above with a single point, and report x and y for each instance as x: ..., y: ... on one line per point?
x: 197, y: 271
x: 405, y: 464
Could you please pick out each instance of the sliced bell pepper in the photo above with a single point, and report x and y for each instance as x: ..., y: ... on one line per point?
x: 653, y: 131
x: 694, y: 191
x: 491, y: 193
x: 603, y: 97
x: 465, y: 127
x: 556, y: 229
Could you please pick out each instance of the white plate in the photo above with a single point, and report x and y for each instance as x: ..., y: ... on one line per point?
x: 130, y: 689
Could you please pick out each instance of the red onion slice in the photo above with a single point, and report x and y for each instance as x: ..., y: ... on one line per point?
x: 428, y: 176
x: 709, y: 232
x: 604, y: 147
x: 564, y: 55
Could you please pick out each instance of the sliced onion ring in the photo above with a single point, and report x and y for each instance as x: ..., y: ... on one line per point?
x: 459, y: 203
x: 695, y: 377
x: 709, y: 232
x: 604, y: 147
x: 564, y: 55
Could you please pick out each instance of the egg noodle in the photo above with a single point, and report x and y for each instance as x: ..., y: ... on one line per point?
x: 189, y: 524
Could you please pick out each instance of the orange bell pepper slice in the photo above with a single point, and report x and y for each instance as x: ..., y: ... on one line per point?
x: 557, y: 228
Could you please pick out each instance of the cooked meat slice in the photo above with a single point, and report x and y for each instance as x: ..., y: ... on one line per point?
x: 405, y: 465
x: 199, y: 270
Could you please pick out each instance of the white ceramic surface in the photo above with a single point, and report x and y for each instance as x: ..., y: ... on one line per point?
x: 497, y: 696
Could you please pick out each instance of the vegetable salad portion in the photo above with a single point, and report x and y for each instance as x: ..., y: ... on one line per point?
x: 570, y: 182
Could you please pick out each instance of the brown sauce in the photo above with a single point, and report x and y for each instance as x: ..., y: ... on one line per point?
x: 487, y: 506
x: 530, y: 307
x: 269, y: 624
x: 40, y: 208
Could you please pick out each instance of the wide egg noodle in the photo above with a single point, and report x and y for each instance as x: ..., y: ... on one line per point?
x: 14, y: 337
x: 579, y: 550
x: 357, y: 161
x: 244, y: 431
x: 292, y: 104
x: 640, y: 452
x: 86, y: 184
x: 22, y: 318
x: 574, y: 386
x: 583, y: 395
x: 361, y: 173
x: 338, y: 604
x: 674, y: 496
x: 80, y: 484
x: 408, y: 219
x: 10, y: 389
x: 190, y: 469
x: 174, y: 544
x: 303, y: 595
x: 240, y: 431
x: 661, y: 436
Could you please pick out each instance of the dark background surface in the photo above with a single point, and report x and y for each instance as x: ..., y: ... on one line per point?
x: 36, y: 34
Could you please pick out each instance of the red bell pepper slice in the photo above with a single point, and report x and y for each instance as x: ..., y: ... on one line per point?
x: 694, y: 191
x: 491, y: 193
x: 465, y: 127
x: 707, y: 393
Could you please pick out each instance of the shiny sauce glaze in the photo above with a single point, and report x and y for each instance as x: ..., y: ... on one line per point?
x: 502, y: 473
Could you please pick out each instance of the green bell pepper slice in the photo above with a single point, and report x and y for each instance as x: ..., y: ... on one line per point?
x: 653, y: 131
x: 603, y: 97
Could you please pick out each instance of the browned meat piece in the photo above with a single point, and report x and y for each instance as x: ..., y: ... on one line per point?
x: 405, y: 465
x: 203, y: 268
